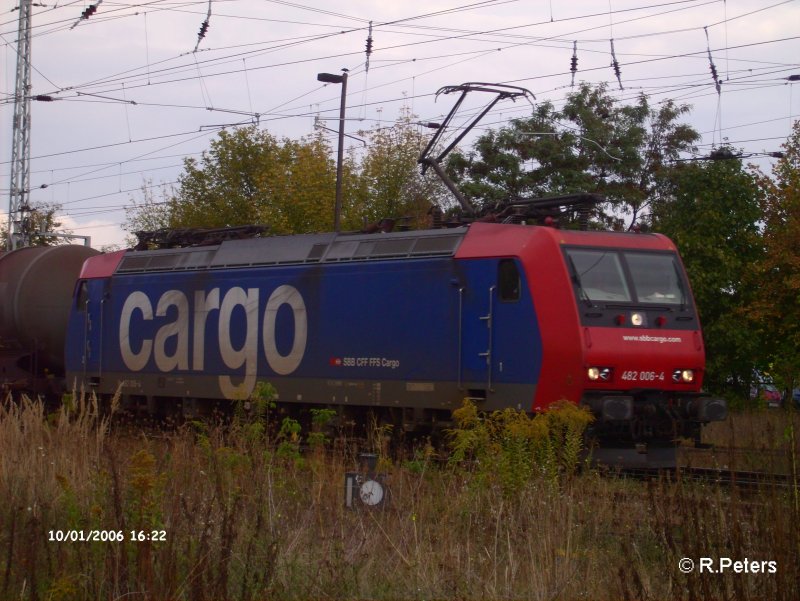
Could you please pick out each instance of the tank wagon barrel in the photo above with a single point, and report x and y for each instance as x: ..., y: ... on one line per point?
x: 36, y: 286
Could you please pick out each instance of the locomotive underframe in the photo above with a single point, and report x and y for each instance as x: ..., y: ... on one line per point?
x: 652, y: 417
x: 420, y: 402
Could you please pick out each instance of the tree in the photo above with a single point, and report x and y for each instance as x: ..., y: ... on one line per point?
x: 250, y: 177
x: 149, y: 214
x: 40, y: 223
x: 776, y: 308
x: 713, y: 219
x: 387, y: 181
x: 593, y: 144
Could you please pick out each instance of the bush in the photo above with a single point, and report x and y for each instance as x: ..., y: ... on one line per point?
x: 511, y: 447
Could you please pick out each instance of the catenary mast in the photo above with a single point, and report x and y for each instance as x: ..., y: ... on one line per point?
x: 19, y: 196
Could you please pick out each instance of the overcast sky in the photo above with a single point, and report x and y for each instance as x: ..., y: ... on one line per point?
x: 132, y: 97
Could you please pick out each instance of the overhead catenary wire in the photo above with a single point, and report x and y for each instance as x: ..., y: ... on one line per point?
x: 246, y: 64
x: 147, y: 139
x: 149, y: 4
x: 307, y: 39
x: 653, y: 59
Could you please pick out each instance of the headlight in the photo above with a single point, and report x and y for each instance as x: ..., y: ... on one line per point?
x: 683, y: 375
x: 637, y: 319
x: 599, y: 373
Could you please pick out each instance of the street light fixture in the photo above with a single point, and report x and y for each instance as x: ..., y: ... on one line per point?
x: 342, y: 79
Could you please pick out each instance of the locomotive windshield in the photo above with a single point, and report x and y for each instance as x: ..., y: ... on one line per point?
x: 656, y: 277
x: 614, y: 276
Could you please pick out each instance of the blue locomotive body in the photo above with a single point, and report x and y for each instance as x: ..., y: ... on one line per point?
x: 392, y: 320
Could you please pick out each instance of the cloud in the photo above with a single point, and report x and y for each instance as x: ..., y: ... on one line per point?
x: 103, y: 233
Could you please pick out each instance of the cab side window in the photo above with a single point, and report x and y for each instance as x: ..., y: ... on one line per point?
x: 82, y: 296
x: 508, y: 281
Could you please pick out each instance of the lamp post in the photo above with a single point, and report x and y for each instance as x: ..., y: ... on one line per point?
x: 342, y: 79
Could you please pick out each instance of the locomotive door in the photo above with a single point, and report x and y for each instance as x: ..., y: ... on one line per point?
x: 486, y: 309
x: 92, y: 296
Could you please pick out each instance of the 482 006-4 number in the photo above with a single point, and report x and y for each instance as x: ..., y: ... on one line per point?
x: 643, y: 376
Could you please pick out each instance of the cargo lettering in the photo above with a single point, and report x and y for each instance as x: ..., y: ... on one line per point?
x: 170, y: 347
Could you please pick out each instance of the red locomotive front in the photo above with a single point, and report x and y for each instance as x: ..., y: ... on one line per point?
x: 643, y: 348
x: 621, y: 333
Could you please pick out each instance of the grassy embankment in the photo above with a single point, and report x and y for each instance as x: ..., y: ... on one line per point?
x: 246, y: 516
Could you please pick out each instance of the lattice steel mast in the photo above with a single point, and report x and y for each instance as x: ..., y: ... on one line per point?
x: 18, y: 205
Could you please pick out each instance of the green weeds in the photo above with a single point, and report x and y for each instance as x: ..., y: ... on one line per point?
x: 508, y: 517
x: 510, y: 447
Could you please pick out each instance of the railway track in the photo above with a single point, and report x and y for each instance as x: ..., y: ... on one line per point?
x: 751, y: 463
x: 690, y: 451
x: 745, y: 480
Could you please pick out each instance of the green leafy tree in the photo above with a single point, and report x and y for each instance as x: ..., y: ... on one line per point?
x: 776, y: 308
x: 593, y: 144
x: 713, y: 219
x: 387, y: 182
x: 250, y: 177
x: 40, y: 222
x: 149, y: 214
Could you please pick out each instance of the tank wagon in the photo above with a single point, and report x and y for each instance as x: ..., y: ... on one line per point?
x: 406, y: 324
x: 36, y: 287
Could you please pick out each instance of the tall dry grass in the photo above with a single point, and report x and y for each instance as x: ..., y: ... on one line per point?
x: 245, y: 519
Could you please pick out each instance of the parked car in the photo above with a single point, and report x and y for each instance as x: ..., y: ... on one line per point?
x: 772, y: 396
x: 764, y: 390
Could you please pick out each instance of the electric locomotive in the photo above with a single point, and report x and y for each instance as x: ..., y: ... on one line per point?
x: 403, y: 324
x: 406, y: 324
